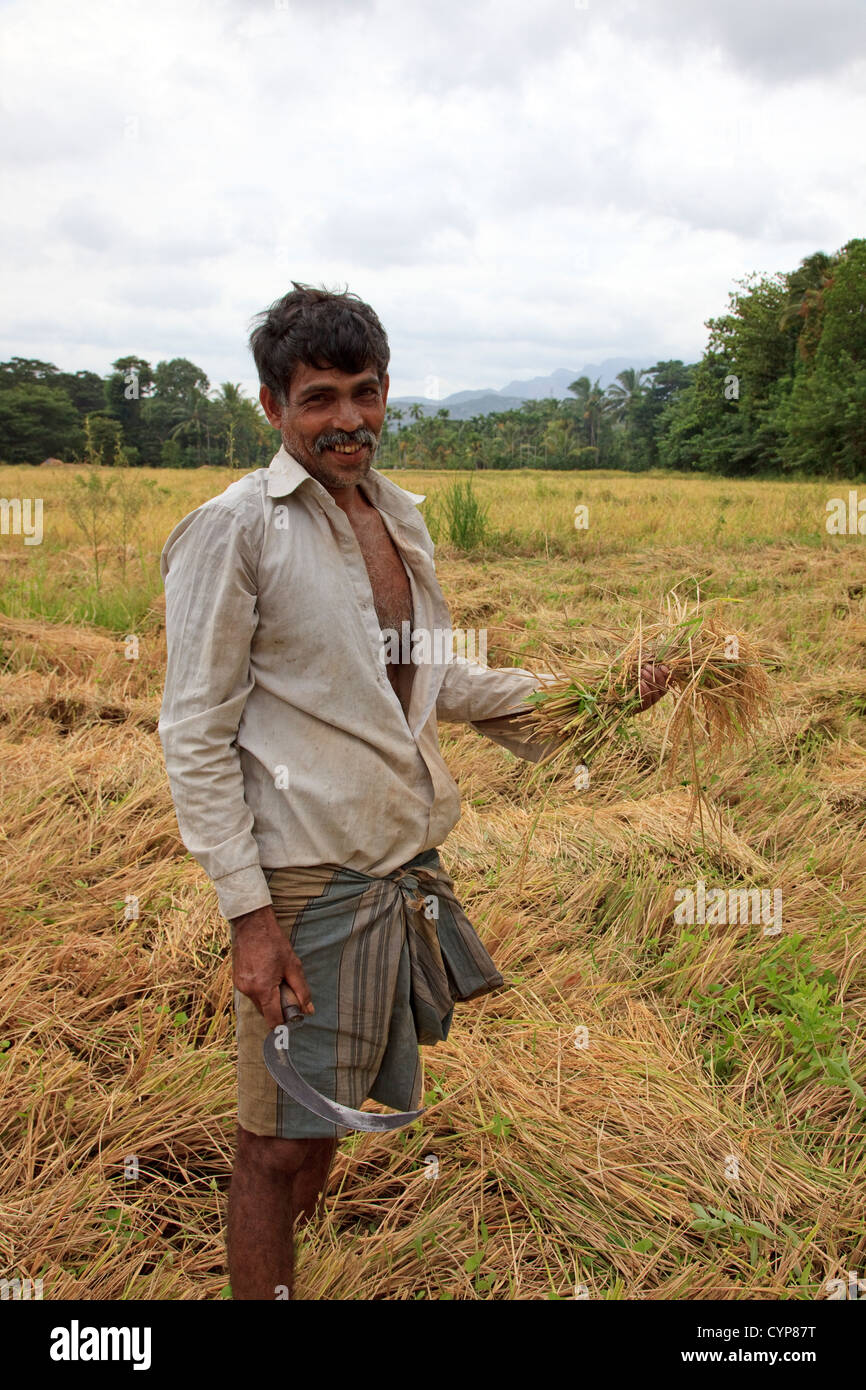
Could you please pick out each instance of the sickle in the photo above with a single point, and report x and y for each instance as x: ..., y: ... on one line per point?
x: 275, y: 1050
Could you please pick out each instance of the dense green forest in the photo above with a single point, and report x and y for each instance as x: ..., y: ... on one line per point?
x: 162, y: 417
x: 781, y: 388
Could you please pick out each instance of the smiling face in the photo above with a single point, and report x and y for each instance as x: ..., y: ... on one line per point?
x: 331, y: 422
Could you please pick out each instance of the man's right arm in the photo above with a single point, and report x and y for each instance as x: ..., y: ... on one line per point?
x: 209, y: 571
x: 210, y: 617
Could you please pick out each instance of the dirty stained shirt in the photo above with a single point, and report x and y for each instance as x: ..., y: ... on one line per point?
x: 285, y: 743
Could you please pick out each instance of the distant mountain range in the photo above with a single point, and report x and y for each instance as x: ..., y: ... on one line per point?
x: 462, y: 405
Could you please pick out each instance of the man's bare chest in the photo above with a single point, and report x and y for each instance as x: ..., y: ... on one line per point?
x: 392, y: 595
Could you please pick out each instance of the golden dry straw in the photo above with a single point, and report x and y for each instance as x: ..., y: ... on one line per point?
x: 603, y: 1168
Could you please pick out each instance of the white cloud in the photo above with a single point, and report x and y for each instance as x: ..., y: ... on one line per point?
x: 514, y: 188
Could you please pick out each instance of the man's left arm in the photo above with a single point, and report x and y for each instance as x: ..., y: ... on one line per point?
x: 490, y: 700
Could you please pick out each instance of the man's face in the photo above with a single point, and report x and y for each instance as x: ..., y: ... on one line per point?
x: 331, y: 422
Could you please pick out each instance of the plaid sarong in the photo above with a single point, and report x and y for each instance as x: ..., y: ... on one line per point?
x: 386, y: 959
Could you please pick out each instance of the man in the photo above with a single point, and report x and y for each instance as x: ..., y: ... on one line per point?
x: 306, y: 770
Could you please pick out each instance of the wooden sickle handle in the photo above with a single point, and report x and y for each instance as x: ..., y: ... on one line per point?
x: 289, y: 1004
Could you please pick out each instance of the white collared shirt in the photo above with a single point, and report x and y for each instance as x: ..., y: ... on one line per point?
x: 285, y: 743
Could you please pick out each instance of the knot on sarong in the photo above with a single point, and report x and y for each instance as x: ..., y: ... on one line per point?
x: 359, y: 922
x: 449, y: 962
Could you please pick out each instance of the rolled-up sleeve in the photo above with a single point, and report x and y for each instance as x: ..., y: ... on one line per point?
x: 209, y: 573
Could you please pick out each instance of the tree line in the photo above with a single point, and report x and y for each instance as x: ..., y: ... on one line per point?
x: 780, y: 389
x: 166, y: 416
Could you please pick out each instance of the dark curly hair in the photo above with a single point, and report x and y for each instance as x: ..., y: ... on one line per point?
x: 320, y: 328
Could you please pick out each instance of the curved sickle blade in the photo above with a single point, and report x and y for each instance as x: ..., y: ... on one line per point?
x: 280, y: 1066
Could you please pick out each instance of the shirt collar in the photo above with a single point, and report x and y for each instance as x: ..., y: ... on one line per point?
x: 285, y: 473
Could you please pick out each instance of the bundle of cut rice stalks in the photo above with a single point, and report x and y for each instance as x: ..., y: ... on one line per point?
x: 718, y: 679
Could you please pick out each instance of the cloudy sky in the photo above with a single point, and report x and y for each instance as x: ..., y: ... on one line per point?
x: 513, y: 186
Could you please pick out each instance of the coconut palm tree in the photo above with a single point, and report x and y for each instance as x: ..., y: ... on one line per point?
x: 806, y: 287
x: 590, y: 404
x: 623, y: 393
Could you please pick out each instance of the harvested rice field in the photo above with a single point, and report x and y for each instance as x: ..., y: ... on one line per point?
x: 667, y: 1100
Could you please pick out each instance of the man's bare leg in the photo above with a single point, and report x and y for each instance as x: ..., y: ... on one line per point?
x: 274, y: 1181
x: 308, y: 1188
